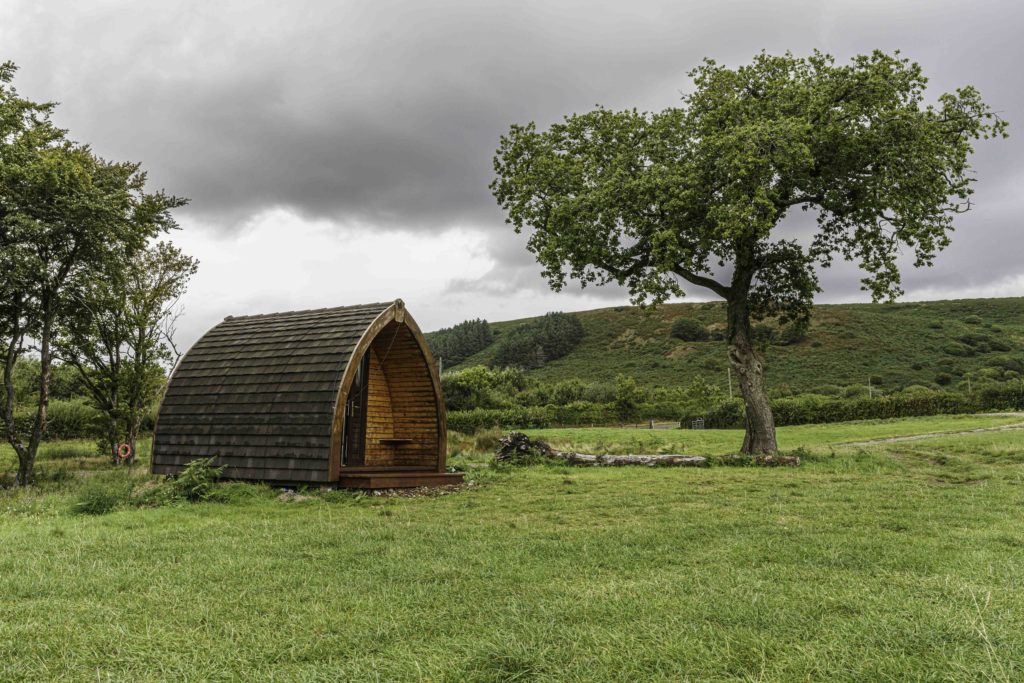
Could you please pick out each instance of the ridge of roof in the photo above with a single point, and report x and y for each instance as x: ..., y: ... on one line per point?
x: 380, y: 305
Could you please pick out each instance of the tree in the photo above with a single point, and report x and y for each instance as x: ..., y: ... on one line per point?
x: 124, y: 340
x: 533, y: 344
x: 457, y: 343
x: 65, y: 216
x: 695, y: 195
x: 628, y: 397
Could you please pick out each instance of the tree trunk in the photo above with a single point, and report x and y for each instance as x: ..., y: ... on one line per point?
x: 26, y: 466
x: 749, y: 368
x: 26, y: 458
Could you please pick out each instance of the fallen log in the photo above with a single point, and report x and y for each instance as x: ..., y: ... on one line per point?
x: 669, y: 460
x: 519, y: 448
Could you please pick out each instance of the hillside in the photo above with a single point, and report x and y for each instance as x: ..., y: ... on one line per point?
x: 896, y: 345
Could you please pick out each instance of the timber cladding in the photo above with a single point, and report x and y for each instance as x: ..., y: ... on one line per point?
x: 266, y: 396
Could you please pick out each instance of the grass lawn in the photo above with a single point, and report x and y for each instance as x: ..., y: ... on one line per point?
x: 900, y: 561
x: 614, y: 440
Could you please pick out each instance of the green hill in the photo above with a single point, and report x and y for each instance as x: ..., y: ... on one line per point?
x: 895, y: 345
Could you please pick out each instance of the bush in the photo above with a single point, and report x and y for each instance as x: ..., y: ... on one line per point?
x: 1008, y: 363
x: 482, y: 387
x: 197, y: 482
x: 73, y: 419
x: 793, y: 333
x: 568, y: 391
x: 943, y: 379
x: 689, y: 330
x: 972, y: 320
x: 855, y: 391
x: 935, y: 324
x: 958, y: 349
x: 763, y: 333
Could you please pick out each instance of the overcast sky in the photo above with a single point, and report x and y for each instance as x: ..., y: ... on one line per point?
x: 339, y: 152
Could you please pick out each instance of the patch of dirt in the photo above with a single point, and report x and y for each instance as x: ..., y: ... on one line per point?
x: 627, y: 340
x: 424, y: 491
x: 293, y: 497
x: 680, y: 351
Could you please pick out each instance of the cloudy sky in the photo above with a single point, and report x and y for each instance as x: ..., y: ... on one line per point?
x: 340, y: 152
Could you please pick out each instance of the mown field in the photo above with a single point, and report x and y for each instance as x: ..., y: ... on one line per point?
x: 891, y: 562
x: 896, y: 345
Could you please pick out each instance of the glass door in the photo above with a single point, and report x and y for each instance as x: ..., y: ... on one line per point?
x: 354, y: 447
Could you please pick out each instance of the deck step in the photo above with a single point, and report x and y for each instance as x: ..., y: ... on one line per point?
x: 398, y: 480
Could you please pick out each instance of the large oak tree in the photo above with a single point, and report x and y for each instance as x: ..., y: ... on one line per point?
x: 695, y: 194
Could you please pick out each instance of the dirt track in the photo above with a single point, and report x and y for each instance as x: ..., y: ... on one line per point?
x: 932, y: 435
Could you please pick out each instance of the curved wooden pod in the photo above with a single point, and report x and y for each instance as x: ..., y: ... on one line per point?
x: 266, y: 395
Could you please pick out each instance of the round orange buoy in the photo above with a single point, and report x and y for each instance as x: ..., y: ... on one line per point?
x: 124, y: 451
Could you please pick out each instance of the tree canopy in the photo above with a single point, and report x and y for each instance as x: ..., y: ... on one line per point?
x: 695, y: 194
x: 67, y: 219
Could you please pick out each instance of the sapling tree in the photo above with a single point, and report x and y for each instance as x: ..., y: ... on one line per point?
x: 696, y: 195
x: 122, y: 344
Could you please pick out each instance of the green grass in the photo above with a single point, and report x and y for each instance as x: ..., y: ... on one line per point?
x: 896, y: 562
x: 899, y: 344
x: 618, y: 440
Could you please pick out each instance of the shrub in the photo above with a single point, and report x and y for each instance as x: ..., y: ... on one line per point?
x: 763, y: 333
x: 198, y: 481
x: 689, y: 330
x: 793, y: 333
x: 74, y: 419
x: 935, y: 324
x: 1009, y: 363
x: 943, y: 379
x: 855, y: 391
x: 482, y: 387
x: 957, y: 349
x: 568, y: 391
x: 998, y: 345
x: 972, y: 320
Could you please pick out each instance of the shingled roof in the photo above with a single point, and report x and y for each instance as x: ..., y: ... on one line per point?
x: 259, y: 392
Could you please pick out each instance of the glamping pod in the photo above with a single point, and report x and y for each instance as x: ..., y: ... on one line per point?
x: 338, y: 396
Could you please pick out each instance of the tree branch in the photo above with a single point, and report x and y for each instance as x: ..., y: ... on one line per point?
x: 702, y: 281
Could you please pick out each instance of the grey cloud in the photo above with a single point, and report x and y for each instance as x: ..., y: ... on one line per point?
x: 386, y: 114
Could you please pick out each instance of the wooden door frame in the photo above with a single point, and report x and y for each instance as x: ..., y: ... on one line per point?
x: 394, y: 313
